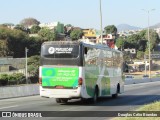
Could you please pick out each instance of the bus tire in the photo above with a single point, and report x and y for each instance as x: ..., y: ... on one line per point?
x: 64, y: 100
x: 84, y: 100
x: 117, y: 91
x: 115, y: 95
x: 95, y: 96
x: 58, y: 100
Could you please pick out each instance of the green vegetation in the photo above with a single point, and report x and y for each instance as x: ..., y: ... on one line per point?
x: 120, y: 42
x: 111, y: 29
x: 13, y: 43
x: 139, y: 42
x: 33, y: 64
x: 12, y: 79
x: 47, y: 34
x: 76, y: 34
x: 35, y: 29
x: 150, y: 107
x: 26, y: 22
x: 140, y: 54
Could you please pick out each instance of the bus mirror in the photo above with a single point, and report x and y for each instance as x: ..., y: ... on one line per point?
x: 85, y: 50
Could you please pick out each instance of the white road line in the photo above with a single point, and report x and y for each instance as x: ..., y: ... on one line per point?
x: 67, y: 109
x: 8, y: 107
x: 7, y: 103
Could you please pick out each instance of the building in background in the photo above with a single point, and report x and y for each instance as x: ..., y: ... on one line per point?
x: 93, y: 35
x: 59, y: 27
x: 89, y: 33
x: 109, y: 40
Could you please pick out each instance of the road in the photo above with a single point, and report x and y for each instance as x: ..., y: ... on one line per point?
x: 135, y: 95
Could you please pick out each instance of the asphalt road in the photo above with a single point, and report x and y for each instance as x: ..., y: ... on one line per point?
x: 134, y: 96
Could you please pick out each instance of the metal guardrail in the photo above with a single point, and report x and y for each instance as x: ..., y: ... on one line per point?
x: 136, y: 81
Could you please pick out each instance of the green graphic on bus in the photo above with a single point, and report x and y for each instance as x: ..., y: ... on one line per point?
x: 66, y: 77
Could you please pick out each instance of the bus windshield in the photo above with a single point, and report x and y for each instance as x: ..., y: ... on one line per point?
x: 61, y: 54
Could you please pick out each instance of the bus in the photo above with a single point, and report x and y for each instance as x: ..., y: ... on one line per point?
x: 76, y: 69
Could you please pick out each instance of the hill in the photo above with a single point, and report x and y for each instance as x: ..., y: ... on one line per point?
x: 125, y: 27
x: 155, y: 26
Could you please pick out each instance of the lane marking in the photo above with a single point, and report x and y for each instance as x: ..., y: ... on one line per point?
x: 67, y: 109
x: 9, y: 107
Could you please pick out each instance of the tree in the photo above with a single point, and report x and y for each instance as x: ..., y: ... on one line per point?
x: 142, y: 34
x: 68, y: 25
x: 22, y: 28
x: 34, y: 45
x: 154, y: 39
x: 76, y: 34
x: 35, y: 29
x: 8, y: 24
x: 13, y: 43
x: 33, y: 65
x: 141, y: 45
x: 120, y: 42
x: 16, y: 41
x: 126, y: 56
x: 47, y: 34
x: 3, y: 48
x: 111, y: 29
x: 68, y: 29
x: 133, y: 40
x: 29, y: 22
x: 140, y: 54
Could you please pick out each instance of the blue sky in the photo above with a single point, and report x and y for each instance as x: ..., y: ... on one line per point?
x: 81, y: 13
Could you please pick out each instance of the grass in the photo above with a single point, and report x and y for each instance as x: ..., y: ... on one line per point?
x: 150, y: 107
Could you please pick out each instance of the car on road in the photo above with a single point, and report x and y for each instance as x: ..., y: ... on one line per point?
x: 128, y: 77
x: 145, y: 76
x: 157, y: 73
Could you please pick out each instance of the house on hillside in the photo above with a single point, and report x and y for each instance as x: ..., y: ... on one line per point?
x: 109, y: 40
x: 55, y: 26
x: 59, y: 27
x: 89, y: 33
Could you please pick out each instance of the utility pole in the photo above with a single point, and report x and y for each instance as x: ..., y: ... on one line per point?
x: 26, y: 50
x: 149, y: 42
x: 101, y: 21
x: 145, y: 64
x: 149, y: 49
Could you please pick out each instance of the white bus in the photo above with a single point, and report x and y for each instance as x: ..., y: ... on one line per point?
x: 74, y: 69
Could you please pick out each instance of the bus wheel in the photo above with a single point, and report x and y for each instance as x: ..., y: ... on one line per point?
x: 115, y: 95
x: 64, y: 100
x: 83, y: 100
x: 95, y: 97
x: 118, y: 91
x: 58, y: 100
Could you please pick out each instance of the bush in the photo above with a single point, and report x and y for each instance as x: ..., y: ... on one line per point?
x: 3, y: 79
x: 12, y: 79
x: 15, y: 78
x: 34, y: 79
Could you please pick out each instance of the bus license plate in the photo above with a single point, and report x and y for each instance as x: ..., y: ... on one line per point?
x: 59, y: 87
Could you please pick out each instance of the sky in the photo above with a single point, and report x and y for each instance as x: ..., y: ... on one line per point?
x: 82, y: 13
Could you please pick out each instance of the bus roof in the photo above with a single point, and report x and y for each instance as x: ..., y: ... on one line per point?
x: 100, y: 46
x: 61, y: 42
x: 87, y: 44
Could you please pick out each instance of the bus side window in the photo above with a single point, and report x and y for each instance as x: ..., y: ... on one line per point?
x: 85, y: 50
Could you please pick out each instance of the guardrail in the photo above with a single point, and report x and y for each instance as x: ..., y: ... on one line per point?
x: 136, y: 81
x: 33, y: 89
x: 19, y: 91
